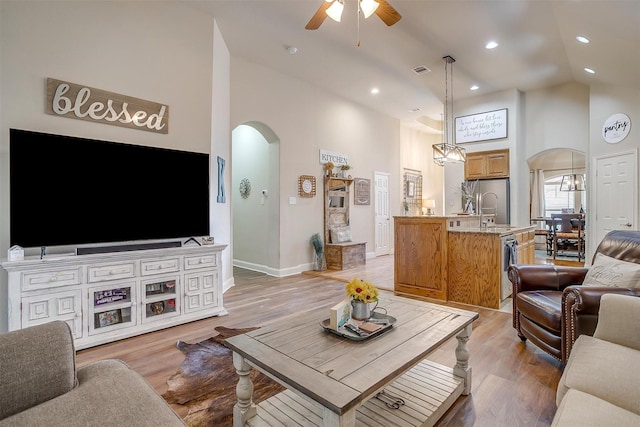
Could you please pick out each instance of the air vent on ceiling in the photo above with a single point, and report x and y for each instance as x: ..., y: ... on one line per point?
x: 421, y: 69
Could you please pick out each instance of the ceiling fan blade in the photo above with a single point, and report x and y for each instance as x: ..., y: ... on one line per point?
x: 387, y: 13
x: 318, y: 18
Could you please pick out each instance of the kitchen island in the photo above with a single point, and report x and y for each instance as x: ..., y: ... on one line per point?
x: 452, y: 259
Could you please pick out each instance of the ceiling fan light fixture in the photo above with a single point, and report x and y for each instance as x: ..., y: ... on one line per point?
x: 335, y: 10
x: 368, y: 7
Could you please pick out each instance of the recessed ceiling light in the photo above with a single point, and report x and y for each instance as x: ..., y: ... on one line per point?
x: 582, y: 39
x: 292, y: 50
x: 491, y: 45
x: 474, y: 87
x: 589, y: 70
x: 375, y: 91
x: 414, y: 110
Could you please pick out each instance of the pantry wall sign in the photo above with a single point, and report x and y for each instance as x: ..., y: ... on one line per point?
x: 95, y: 105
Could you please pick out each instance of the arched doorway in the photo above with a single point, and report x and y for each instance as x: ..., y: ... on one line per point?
x: 547, y: 194
x: 255, y: 206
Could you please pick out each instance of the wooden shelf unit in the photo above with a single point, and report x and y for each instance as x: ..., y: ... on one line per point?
x: 343, y: 255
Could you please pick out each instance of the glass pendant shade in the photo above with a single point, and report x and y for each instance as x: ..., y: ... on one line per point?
x: 448, y: 153
x: 573, y: 182
x: 368, y: 7
x: 335, y: 10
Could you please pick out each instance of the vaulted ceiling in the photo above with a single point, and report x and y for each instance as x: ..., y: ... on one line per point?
x: 537, y: 47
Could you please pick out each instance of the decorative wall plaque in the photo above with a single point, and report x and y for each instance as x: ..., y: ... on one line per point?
x: 616, y: 128
x: 361, y: 191
x: 482, y: 126
x: 307, y: 186
x: 95, y: 105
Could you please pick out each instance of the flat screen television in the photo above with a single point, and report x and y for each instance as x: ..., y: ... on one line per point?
x: 76, y: 191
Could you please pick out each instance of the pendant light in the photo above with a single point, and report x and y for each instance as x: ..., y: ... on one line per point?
x: 448, y: 151
x: 573, y: 182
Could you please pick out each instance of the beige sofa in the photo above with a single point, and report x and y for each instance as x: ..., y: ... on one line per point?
x: 40, y: 385
x: 600, y: 382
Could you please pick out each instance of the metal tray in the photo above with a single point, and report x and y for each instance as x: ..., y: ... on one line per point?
x: 346, y: 333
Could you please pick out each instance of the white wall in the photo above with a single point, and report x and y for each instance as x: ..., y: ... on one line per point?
x: 606, y: 100
x: 454, y: 174
x: 306, y: 119
x: 557, y: 117
x: 162, y: 53
x: 416, y: 153
x: 252, y: 247
x: 220, y: 145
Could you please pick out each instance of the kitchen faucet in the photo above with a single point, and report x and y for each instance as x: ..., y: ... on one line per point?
x: 481, y: 207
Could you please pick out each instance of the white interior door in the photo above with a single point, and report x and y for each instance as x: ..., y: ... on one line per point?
x: 615, y: 196
x: 383, y: 219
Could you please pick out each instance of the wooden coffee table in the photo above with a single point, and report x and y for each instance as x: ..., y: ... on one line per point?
x: 332, y: 381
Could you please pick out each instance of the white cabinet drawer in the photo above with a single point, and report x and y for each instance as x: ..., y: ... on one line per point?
x: 166, y: 265
x: 32, y: 281
x: 202, y: 261
x: 102, y: 272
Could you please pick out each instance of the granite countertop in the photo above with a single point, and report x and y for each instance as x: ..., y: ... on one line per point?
x: 499, y: 229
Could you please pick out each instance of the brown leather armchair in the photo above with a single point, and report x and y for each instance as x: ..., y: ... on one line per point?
x: 551, y: 308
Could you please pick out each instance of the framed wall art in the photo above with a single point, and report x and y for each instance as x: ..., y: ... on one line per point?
x: 481, y: 126
x: 361, y: 191
x: 307, y: 186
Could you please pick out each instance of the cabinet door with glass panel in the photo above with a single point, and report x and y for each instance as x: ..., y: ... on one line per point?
x: 112, y: 307
x: 160, y: 298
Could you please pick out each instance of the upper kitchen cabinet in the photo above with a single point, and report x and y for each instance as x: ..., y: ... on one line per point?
x: 487, y: 164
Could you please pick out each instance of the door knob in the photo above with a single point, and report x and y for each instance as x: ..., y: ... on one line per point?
x: 626, y: 225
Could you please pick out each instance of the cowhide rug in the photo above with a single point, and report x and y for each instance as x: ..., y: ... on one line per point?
x: 206, y: 381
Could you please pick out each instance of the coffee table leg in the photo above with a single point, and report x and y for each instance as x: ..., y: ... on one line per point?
x: 244, y: 408
x: 331, y: 419
x: 462, y: 368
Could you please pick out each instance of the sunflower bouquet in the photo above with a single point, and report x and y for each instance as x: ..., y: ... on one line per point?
x: 361, y: 290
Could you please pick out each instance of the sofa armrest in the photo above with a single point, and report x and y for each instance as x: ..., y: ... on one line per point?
x: 619, y: 320
x: 544, y: 277
x: 36, y: 365
x: 580, y: 311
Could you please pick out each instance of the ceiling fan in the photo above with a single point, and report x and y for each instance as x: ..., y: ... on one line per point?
x: 333, y: 9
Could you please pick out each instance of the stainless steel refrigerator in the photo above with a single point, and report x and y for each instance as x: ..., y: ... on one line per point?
x: 500, y: 206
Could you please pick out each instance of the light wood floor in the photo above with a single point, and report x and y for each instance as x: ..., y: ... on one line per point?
x: 513, y: 383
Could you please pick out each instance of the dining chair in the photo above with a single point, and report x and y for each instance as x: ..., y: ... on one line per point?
x: 568, y: 232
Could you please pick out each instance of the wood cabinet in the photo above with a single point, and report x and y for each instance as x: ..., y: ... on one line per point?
x: 420, y: 259
x: 340, y: 255
x: 487, y: 164
x: 477, y: 266
x: 107, y: 297
x: 475, y: 269
x: 526, y: 247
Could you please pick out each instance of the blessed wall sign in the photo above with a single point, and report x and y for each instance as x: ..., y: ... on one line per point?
x: 95, y: 105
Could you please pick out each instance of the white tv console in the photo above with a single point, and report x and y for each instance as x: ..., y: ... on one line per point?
x: 110, y: 296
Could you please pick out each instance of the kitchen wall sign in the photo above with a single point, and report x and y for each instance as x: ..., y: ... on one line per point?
x: 616, y: 128
x: 95, y: 105
x: 481, y: 126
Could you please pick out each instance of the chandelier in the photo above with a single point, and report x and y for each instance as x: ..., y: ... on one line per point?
x: 572, y: 182
x: 447, y: 151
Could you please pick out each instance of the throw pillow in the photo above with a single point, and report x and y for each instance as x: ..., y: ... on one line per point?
x: 340, y: 234
x: 607, y: 271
